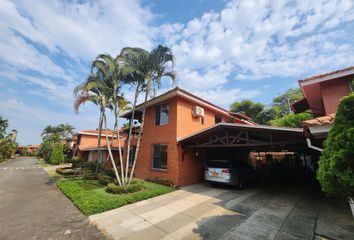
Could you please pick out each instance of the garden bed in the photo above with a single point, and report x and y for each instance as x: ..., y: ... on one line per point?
x: 90, y: 196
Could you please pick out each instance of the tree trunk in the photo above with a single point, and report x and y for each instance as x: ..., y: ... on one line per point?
x: 130, y: 133
x: 139, y: 138
x: 99, y: 158
x: 110, y: 151
x: 116, y: 125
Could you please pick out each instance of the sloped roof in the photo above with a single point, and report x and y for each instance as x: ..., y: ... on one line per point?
x: 320, y: 121
x: 323, y: 75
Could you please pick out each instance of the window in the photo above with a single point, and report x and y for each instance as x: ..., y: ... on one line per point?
x: 202, y: 120
x: 132, y: 155
x: 159, y: 156
x: 218, y: 119
x: 161, y: 114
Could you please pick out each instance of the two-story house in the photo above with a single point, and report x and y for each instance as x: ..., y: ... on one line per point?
x: 322, y: 94
x: 169, y: 117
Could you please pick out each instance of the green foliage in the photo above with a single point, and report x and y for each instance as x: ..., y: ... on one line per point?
x: 247, y: 107
x: 8, y: 143
x: 282, y: 101
x: 57, y: 156
x: 267, y: 115
x: 291, y: 120
x: 336, y: 165
x: 76, y: 162
x: 104, y: 179
x: 90, y: 196
x: 131, y: 188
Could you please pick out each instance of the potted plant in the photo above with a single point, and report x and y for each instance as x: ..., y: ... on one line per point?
x: 336, y: 165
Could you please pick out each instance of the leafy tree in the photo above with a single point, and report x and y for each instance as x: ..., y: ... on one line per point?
x: 283, y: 101
x: 3, y: 126
x: 267, y: 115
x: 8, y: 143
x: 57, y: 156
x: 291, y: 120
x: 149, y: 67
x: 336, y: 165
x: 247, y: 107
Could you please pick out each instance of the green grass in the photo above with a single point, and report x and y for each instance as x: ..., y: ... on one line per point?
x: 90, y: 196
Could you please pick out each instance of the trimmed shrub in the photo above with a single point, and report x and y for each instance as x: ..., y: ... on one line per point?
x: 131, y: 188
x: 57, y: 156
x: 161, y: 181
x: 65, y: 171
x: 76, y: 162
x: 104, y: 179
x: 336, y: 165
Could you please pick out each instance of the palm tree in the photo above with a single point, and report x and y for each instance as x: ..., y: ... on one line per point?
x: 151, y: 66
x: 66, y: 130
x: 97, y: 90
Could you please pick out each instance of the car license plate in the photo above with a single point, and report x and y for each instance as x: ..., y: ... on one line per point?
x: 215, y: 174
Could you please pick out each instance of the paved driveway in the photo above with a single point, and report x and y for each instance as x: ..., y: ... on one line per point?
x: 201, y: 212
x: 32, y: 208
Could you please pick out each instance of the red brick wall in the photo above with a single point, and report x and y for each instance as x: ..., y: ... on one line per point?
x: 332, y: 92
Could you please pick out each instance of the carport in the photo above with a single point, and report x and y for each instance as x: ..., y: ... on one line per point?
x: 235, y: 141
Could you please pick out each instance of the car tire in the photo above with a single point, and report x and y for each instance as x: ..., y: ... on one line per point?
x: 240, y: 183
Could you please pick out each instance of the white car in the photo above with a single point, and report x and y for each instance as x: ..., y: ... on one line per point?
x: 235, y: 173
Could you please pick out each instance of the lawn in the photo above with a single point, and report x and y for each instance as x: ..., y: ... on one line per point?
x: 90, y: 196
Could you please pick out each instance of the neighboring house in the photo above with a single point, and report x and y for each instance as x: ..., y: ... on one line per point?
x: 31, y: 149
x: 170, y: 117
x: 86, y: 145
x: 322, y: 94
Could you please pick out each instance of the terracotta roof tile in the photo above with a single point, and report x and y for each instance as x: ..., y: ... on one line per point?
x: 327, y: 74
x: 320, y: 121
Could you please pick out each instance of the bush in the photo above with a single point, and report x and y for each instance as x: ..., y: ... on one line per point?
x: 336, y: 165
x: 161, y: 181
x: 76, y: 162
x: 57, y: 155
x: 104, y: 179
x: 291, y: 120
x: 65, y: 171
x: 116, y: 189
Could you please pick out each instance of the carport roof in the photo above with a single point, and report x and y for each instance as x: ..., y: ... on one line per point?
x: 247, y: 136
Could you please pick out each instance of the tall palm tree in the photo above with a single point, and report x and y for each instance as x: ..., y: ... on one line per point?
x: 97, y: 90
x: 151, y: 66
x: 66, y: 130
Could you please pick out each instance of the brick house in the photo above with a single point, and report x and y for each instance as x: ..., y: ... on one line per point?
x: 322, y: 94
x: 169, y: 117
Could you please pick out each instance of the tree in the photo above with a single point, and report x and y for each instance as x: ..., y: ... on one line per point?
x: 291, y: 120
x: 336, y: 165
x: 65, y: 130
x: 247, y: 107
x: 151, y: 67
x: 99, y: 90
x: 267, y: 115
x: 283, y: 101
x: 8, y: 143
x: 57, y: 155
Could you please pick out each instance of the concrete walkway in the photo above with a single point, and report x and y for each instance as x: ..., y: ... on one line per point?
x: 201, y: 212
x: 31, y: 207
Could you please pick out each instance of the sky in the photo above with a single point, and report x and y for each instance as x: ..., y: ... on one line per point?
x: 225, y: 51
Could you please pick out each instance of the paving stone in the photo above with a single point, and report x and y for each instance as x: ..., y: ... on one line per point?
x: 151, y: 233
x: 118, y: 231
x: 158, y: 215
x: 149, y: 206
x: 174, y: 223
x: 199, y: 210
x: 251, y: 231
x: 290, y: 236
x: 299, y: 227
x: 262, y: 216
x: 181, y: 205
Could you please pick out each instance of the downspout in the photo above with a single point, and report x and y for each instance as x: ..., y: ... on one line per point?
x: 309, y: 144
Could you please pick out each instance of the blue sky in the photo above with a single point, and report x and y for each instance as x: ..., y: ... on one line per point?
x: 225, y: 50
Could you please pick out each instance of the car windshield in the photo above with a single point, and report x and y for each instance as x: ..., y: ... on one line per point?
x: 218, y: 164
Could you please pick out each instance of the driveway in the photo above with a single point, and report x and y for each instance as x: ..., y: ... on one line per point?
x: 290, y: 211
x: 31, y: 207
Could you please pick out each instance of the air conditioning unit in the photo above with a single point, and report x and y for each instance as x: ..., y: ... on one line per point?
x: 198, y: 111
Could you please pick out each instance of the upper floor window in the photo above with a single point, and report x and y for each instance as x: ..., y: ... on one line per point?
x: 161, y: 114
x: 159, y: 156
x: 218, y: 119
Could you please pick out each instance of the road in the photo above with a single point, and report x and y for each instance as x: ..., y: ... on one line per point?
x: 32, y: 207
